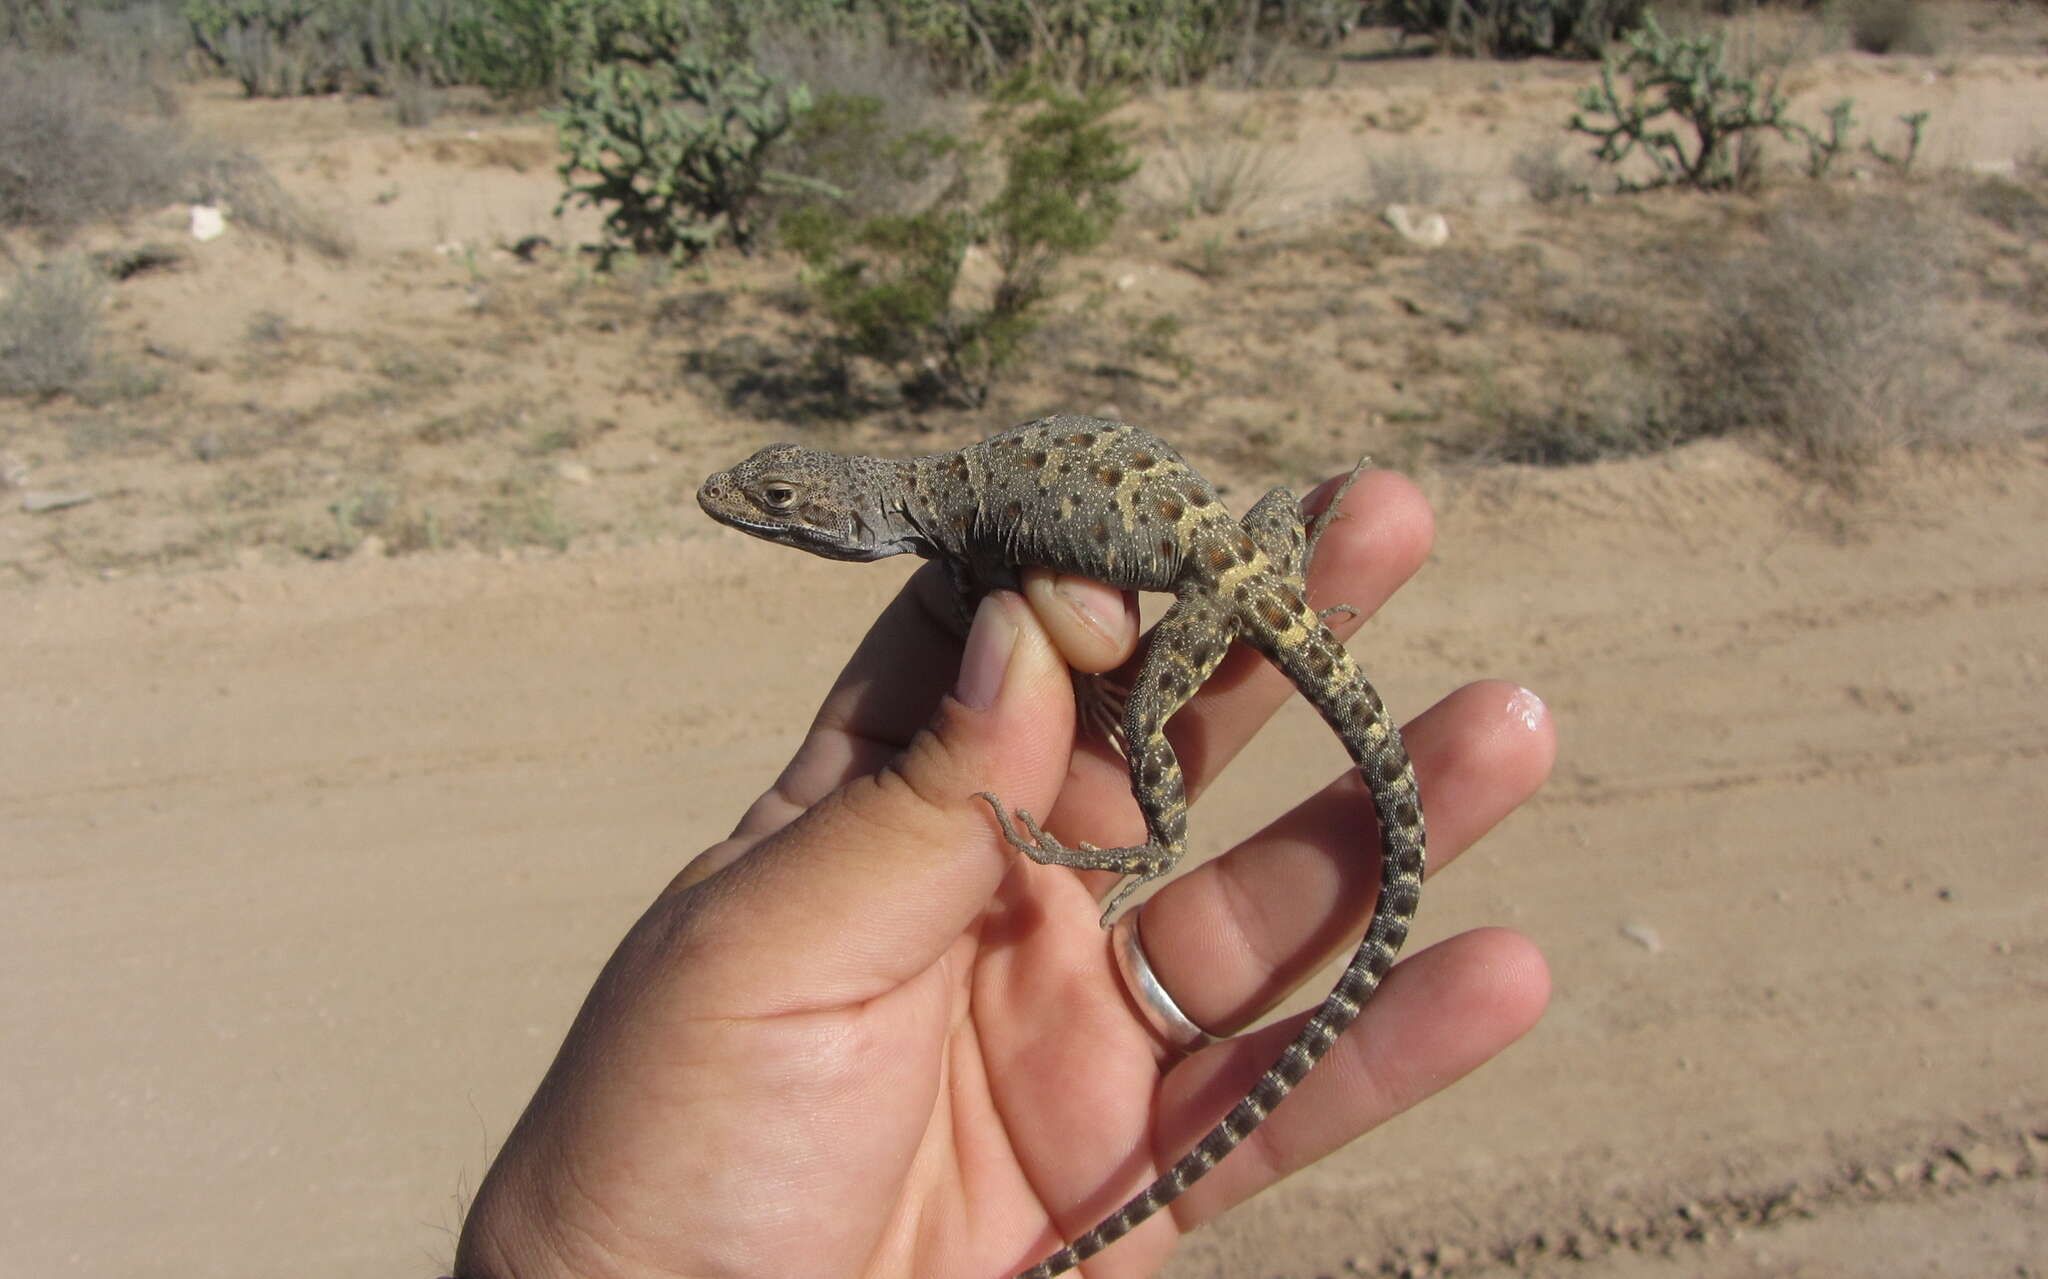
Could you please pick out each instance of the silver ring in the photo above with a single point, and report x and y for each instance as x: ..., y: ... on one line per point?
x: 1157, y: 1007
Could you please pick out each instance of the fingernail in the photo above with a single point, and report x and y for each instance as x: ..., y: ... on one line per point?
x: 1090, y: 601
x: 990, y: 641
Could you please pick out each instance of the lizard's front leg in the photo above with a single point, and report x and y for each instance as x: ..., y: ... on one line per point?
x: 1182, y: 652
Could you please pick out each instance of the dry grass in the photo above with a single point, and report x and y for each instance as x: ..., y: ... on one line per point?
x: 1821, y: 329
x: 1832, y: 340
x: 1402, y: 176
x: 49, y: 328
x: 73, y: 150
x: 78, y: 146
x: 1212, y: 178
x: 1550, y: 173
x: 869, y: 96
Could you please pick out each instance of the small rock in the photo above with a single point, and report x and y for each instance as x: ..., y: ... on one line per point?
x: 573, y: 472
x: 208, y: 222
x: 1790, y: 1204
x: 1645, y: 936
x: 37, y: 503
x: 1429, y: 230
x: 2036, y: 1147
x: 1988, y: 1162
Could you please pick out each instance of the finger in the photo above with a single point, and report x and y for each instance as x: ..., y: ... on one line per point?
x: 906, y: 850
x: 895, y: 678
x: 1440, y: 1014
x: 1094, y: 626
x: 1380, y: 538
x: 1236, y: 936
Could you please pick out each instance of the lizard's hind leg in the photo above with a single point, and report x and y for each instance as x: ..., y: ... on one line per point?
x: 1182, y: 652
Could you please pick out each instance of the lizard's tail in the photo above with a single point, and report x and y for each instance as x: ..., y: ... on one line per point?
x: 1322, y: 669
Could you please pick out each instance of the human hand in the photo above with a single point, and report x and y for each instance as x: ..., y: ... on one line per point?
x: 862, y: 1037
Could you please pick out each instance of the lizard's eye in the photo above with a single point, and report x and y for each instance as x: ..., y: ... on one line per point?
x: 779, y: 497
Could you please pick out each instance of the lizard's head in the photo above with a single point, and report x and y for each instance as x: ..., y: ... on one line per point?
x: 801, y: 497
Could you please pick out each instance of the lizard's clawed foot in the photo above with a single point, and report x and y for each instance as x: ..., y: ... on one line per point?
x: 1141, y: 862
x: 1041, y: 847
x: 1321, y: 523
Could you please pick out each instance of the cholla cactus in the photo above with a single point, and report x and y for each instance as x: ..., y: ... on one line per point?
x: 1682, y: 77
x: 678, y: 149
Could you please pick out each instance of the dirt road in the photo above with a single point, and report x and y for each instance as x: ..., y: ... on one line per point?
x: 306, y: 868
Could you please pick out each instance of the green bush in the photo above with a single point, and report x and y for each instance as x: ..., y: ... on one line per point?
x: 677, y: 150
x: 1097, y: 43
x: 39, y: 24
x: 1517, y: 28
x: 283, y: 48
x: 890, y: 285
x: 514, y: 48
x: 534, y: 47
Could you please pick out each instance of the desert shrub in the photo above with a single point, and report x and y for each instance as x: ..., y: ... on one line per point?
x: 533, y: 48
x: 1403, y: 176
x: 282, y: 48
x: 1596, y: 414
x: 1547, y: 174
x: 1824, y: 338
x: 49, y: 325
x: 1892, y: 26
x: 875, y: 109
x: 1516, y: 28
x: 514, y: 48
x: 676, y: 148
x: 42, y: 25
x: 891, y: 287
x: 71, y: 150
x: 1085, y: 44
x: 2009, y: 206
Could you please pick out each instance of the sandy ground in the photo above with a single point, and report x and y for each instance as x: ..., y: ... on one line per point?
x: 305, y: 865
x: 309, y: 866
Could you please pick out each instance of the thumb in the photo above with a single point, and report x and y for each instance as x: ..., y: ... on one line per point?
x: 873, y: 883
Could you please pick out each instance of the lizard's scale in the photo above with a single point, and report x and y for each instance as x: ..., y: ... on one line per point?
x: 1116, y: 503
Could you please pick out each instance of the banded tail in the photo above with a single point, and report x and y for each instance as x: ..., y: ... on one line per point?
x: 1325, y: 672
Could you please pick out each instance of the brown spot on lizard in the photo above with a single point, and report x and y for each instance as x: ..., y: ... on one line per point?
x: 986, y: 516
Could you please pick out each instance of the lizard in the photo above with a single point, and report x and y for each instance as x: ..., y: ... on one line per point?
x: 1114, y: 502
